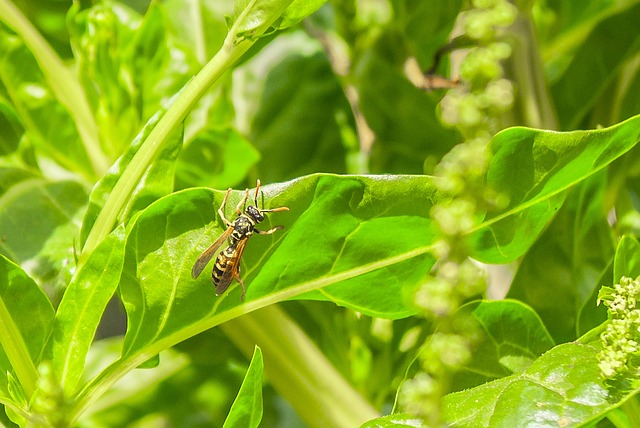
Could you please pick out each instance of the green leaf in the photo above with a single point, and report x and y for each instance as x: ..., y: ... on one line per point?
x: 81, y: 309
x: 394, y: 421
x: 563, y: 387
x: 611, y: 43
x: 253, y: 18
x: 513, y: 338
x: 298, y: 10
x: 297, y: 119
x: 38, y: 223
x: 374, y: 250
x: 218, y: 158
x: 548, y: 163
x: 247, y: 407
x: 26, y: 317
x: 12, y: 129
x: 427, y: 26
x: 627, y: 259
x: 409, y: 134
x: 46, y: 121
x: 562, y: 267
x: 373, y: 254
x: 99, y: 35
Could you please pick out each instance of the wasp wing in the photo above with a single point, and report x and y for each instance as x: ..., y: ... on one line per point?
x: 233, y: 268
x: 208, y: 254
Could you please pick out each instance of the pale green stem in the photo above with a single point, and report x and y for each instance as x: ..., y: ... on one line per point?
x: 299, y: 370
x: 176, y: 113
x: 534, y: 100
x: 62, y: 82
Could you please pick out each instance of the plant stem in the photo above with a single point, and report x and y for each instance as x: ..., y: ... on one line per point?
x: 235, y: 45
x: 536, y: 108
x: 176, y: 113
x: 299, y: 371
x: 62, y: 82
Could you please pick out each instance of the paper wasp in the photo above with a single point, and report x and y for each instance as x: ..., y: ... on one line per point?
x: 227, y: 264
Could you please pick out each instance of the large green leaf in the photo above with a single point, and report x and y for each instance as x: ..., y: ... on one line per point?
x: 247, y: 408
x: 371, y: 256
x: 561, y: 388
x: 82, y: 307
x: 533, y: 169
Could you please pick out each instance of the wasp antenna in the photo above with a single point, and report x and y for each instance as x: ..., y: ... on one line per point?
x: 255, y: 197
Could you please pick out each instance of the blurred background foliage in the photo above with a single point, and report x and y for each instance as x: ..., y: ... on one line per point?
x: 335, y: 93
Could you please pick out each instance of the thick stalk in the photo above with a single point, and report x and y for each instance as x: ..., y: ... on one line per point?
x: 299, y: 371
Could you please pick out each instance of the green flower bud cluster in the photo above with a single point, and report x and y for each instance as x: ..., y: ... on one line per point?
x: 620, y: 346
x: 475, y: 107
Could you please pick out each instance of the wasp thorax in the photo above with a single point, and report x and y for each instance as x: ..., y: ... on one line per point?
x: 255, y: 214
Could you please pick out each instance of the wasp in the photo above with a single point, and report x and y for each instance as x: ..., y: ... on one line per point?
x: 227, y: 265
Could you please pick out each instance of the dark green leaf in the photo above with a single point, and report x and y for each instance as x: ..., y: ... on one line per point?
x: 247, y: 408
x: 427, y: 25
x: 12, y: 129
x: 565, y: 263
x: 611, y: 43
x: 409, y: 134
x: 297, y: 119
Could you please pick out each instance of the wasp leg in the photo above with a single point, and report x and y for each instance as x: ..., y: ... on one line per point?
x: 241, y: 282
x: 221, y: 209
x: 268, y: 232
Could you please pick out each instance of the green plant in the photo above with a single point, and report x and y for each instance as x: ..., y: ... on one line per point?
x: 121, y: 131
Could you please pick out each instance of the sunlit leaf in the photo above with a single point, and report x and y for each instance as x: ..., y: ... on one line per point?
x: 548, y: 163
x: 373, y: 254
x: 561, y: 388
x: 247, y: 408
x: 26, y: 317
x: 82, y: 307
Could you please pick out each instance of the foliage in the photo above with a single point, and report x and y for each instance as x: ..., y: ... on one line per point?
x: 122, y: 126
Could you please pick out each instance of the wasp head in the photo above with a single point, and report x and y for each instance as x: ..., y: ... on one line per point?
x: 255, y: 213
